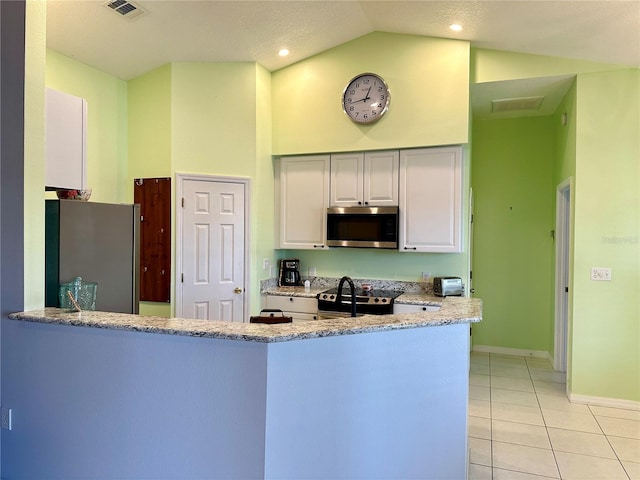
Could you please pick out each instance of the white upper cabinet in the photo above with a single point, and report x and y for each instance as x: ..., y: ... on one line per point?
x: 364, y: 179
x: 66, y: 140
x: 302, y: 199
x: 431, y: 200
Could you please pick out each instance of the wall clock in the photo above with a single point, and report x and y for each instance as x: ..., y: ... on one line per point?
x: 366, y: 97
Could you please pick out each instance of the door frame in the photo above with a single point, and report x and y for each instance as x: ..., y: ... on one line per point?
x: 563, y: 274
x: 180, y: 179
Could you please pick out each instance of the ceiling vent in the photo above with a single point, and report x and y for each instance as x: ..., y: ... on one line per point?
x: 516, y: 104
x: 125, y: 9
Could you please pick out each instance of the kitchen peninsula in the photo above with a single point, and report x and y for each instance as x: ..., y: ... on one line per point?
x: 105, y: 395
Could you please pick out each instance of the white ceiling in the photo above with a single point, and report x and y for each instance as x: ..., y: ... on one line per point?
x: 242, y: 30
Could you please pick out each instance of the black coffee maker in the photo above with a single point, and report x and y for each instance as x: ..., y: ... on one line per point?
x: 289, y: 272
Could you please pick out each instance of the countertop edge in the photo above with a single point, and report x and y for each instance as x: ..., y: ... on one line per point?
x: 454, y: 310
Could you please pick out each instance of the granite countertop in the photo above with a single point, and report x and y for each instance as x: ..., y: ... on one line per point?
x: 454, y: 310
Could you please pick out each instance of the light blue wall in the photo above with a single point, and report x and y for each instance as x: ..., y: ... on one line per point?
x: 113, y: 404
x: 107, y: 404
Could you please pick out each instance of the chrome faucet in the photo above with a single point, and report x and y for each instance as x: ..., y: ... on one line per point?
x: 353, y: 294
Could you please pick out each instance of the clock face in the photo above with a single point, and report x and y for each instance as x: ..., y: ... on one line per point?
x: 366, y: 98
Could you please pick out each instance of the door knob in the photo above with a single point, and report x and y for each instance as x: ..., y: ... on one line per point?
x: 237, y: 290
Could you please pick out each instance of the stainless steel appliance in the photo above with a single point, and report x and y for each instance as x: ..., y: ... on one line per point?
x: 289, y: 272
x: 367, y: 302
x: 448, y: 286
x: 369, y: 227
x: 99, y: 242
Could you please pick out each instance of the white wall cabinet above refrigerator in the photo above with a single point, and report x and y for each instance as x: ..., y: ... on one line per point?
x: 302, y: 199
x: 364, y: 179
x: 66, y: 141
x: 431, y: 200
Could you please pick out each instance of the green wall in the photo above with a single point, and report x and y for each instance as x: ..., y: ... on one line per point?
x: 429, y: 83
x: 513, y: 171
x: 149, y: 125
x: 605, y: 355
x: 498, y: 65
x: 34, y: 151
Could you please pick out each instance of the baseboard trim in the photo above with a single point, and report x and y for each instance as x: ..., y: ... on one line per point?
x: 604, y: 401
x: 512, y: 351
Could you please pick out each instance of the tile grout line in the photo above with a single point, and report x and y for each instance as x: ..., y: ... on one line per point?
x: 609, y: 442
x: 544, y: 421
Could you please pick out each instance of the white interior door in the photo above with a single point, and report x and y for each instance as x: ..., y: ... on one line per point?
x: 563, y: 278
x: 212, y: 250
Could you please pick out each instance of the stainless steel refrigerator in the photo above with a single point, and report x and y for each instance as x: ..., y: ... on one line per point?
x: 99, y: 242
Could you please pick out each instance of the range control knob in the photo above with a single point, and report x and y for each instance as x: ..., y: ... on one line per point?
x: 384, y: 300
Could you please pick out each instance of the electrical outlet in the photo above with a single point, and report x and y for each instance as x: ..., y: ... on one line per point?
x: 312, y: 271
x: 5, y: 422
x: 265, y: 263
x: 601, y: 274
x: 426, y: 276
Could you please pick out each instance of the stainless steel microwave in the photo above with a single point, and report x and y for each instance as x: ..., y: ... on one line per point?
x: 365, y: 227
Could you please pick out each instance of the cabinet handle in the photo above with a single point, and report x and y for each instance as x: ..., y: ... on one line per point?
x: 318, y: 246
x: 291, y: 299
x: 359, y: 203
x: 410, y: 248
x: 366, y: 203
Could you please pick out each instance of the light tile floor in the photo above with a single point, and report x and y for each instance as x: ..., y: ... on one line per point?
x: 523, y: 427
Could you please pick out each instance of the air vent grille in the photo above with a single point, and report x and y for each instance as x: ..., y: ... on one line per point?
x: 516, y: 104
x: 126, y: 9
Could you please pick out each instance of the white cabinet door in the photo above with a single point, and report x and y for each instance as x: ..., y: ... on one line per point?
x: 302, y: 199
x: 65, y: 139
x: 381, y: 170
x: 431, y: 200
x: 346, y: 179
x: 364, y: 179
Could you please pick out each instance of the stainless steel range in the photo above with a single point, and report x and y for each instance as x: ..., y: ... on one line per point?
x: 371, y: 302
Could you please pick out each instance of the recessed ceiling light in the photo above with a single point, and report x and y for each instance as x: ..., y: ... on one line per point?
x: 455, y: 27
x: 283, y: 52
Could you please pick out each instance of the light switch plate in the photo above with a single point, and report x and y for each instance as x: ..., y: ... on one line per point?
x: 601, y: 274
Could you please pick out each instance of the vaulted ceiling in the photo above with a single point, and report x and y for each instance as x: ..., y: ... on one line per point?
x: 89, y: 31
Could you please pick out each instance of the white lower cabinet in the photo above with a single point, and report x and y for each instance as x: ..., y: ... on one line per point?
x: 431, y: 200
x: 300, y: 308
x: 406, y: 308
